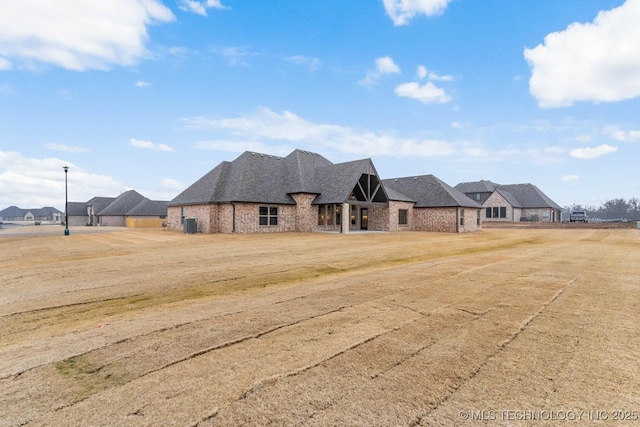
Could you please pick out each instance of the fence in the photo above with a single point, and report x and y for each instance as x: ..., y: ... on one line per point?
x: 145, y: 222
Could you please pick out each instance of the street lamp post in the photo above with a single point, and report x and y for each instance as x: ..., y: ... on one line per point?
x: 66, y: 202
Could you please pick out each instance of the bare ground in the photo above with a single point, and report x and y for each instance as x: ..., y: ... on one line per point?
x: 415, y: 329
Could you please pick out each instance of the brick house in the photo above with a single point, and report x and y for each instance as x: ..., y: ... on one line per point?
x: 305, y: 192
x: 514, y: 202
x: 47, y: 213
x: 114, y: 211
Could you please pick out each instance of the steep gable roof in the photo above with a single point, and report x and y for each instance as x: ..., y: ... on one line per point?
x: 530, y: 196
x: 510, y: 198
x: 430, y: 192
x: 148, y: 207
x: 481, y: 186
x: 122, y: 204
x: 100, y: 203
x: 262, y: 178
x: 335, y: 183
x: 13, y: 211
x: 77, y: 209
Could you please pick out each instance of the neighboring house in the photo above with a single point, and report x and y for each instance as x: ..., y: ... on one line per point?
x: 514, y: 202
x: 14, y: 213
x: 77, y: 214
x: 95, y: 205
x: 115, y: 213
x: 148, y: 209
x: 305, y: 192
x: 438, y: 206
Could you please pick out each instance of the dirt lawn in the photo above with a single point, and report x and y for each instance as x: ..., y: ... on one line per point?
x: 157, y: 328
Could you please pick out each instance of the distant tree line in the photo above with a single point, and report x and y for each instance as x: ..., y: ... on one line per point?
x: 615, y: 209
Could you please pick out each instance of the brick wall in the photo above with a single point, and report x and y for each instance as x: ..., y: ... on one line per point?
x: 394, y: 208
x: 496, y: 201
x: 470, y: 219
x: 435, y: 219
x: 112, y: 221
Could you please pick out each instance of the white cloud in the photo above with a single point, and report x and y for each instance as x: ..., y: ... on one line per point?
x: 242, y: 146
x: 32, y: 182
x: 402, y: 11
x: 149, y: 145
x: 200, y: 7
x: 290, y: 128
x: 66, y: 148
x: 621, y: 135
x: 584, y: 138
x: 172, y: 184
x: 235, y: 54
x: 141, y: 83
x: 427, y: 93
x: 312, y: 63
x: 77, y: 34
x: 384, y: 65
x: 592, y: 152
x: 422, y: 72
x: 598, y: 61
x: 570, y: 178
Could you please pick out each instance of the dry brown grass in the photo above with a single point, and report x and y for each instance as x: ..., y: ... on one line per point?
x: 143, y: 327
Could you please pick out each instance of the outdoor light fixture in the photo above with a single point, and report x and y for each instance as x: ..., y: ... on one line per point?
x: 66, y: 202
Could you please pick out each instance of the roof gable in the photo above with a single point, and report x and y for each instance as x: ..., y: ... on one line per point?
x: 148, y: 207
x: 481, y: 186
x: 529, y: 196
x: 122, y: 204
x: 336, y: 183
x: 429, y: 192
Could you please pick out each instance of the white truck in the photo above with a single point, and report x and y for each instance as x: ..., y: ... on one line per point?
x: 578, y: 216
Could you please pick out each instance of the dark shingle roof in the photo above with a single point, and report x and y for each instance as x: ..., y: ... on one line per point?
x: 149, y: 208
x: 15, y: 212
x: 481, y: 186
x: 335, y: 183
x: 529, y: 196
x: 77, y: 209
x: 262, y: 178
x: 122, y: 204
x: 430, y: 192
x: 100, y: 203
x: 518, y: 195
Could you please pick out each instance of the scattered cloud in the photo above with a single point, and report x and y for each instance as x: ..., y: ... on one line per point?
x: 427, y: 93
x: 77, y: 35
x: 423, y: 73
x: 149, y: 145
x: 460, y: 125
x: 570, y: 178
x: 242, y: 146
x: 235, y: 55
x: 597, y: 61
x: 289, y: 128
x: 200, y: 7
x: 402, y: 11
x: 384, y: 65
x: 312, y: 63
x: 621, y: 135
x: 34, y: 182
x: 66, y: 148
x: 584, y: 138
x: 172, y: 184
x: 592, y: 152
x: 142, y: 84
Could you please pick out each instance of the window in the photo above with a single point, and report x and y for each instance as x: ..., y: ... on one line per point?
x: 403, y: 217
x: 321, y: 216
x: 461, y: 216
x: 268, y: 215
x: 488, y: 213
x: 354, y: 215
x: 477, y: 196
x: 330, y: 214
x: 503, y: 212
x: 496, y: 212
x: 338, y: 215
x: 478, y: 217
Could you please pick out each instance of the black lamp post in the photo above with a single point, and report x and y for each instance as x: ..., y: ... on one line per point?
x: 66, y: 203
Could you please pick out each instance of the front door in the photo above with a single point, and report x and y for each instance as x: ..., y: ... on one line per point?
x: 364, y: 219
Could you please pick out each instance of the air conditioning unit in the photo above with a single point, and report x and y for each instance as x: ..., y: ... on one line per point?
x: 190, y: 225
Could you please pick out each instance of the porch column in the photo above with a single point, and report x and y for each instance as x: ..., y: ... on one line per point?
x: 345, y: 218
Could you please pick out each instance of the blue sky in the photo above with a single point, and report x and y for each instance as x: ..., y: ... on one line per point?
x: 150, y: 95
